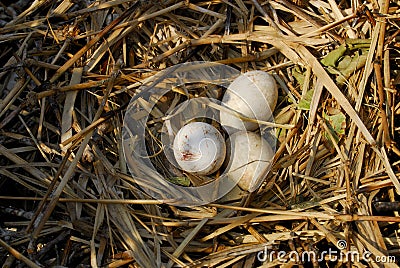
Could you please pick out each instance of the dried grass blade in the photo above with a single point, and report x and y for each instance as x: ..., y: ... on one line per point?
x: 66, y: 131
x: 383, y: 156
x: 91, y: 43
x: 18, y: 255
x: 180, y: 249
x: 319, y: 71
x: 127, y: 229
x: 62, y: 7
x: 18, y: 160
x: 376, y: 252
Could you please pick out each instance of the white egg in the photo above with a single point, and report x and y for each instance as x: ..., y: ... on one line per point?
x: 250, y: 158
x: 199, y: 148
x: 253, y: 94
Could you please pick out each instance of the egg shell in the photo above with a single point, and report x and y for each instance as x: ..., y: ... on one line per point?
x: 253, y: 94
x: 199, y: 148
x: 250, y: 158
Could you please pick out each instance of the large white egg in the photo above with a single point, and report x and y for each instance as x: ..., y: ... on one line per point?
x: 199, y: 148
x: 250, y: 158
x: 253, y: 94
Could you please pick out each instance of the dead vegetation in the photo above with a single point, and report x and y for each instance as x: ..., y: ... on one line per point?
x: 69, y: 69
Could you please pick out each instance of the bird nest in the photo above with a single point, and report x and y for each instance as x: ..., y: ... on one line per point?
x: 70, y: 69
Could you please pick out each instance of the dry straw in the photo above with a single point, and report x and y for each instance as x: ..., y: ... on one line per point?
x: 69, y: 69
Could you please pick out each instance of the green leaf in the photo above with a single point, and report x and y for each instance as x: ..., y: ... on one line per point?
x: 347, y: 59
x: 304, y: 103
x: 336, y: 123
x: 350, y: 65
x: 332, y: 58
x: 299, y: 75
x: 355, y: 44
x: 182, y: 181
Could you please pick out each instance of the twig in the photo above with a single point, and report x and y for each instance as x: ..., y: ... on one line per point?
x: 91, y: 43
x: 18, y: 255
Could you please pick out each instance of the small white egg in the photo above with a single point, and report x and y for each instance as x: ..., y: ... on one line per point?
x: 199, y: 148
x: 253, y: 94
x: 250, y: 157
